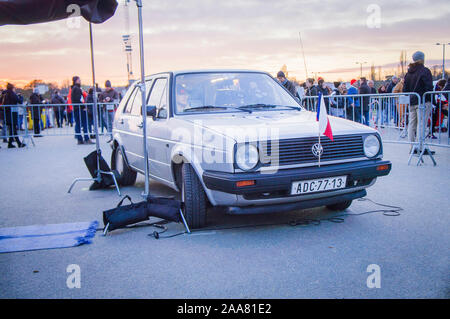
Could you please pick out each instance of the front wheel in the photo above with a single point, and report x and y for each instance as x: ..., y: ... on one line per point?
x: 194, y: 198
x: 340, y: 206
x: 127, y: 176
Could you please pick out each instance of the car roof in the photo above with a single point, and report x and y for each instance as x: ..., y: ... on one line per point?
x: 177, y: 72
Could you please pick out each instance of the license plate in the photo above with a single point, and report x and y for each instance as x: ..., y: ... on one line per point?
x: 318, y: 185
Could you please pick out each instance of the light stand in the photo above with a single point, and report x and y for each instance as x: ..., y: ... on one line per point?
x: 146, y: 193
x: 144, y: 99
x: 421, y: 149
x: 98, y: 178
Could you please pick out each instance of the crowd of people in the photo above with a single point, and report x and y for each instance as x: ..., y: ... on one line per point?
x: 351, y: 100
x: 74, y: 110
x: 418, y: 79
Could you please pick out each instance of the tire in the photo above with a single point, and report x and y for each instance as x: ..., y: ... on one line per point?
x: 340, y: 206
x: 126, y: 175
x: 194, y: 197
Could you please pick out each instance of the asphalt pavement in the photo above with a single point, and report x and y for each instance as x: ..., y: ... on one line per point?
x: 329, y: 260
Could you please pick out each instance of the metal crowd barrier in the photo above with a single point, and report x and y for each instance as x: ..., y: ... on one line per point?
x: 437, y: 131
x: 390, y: 114
x: 387, y: 113
x: 26, y: 121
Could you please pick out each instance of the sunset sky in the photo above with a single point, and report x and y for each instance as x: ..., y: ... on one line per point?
x: 249, y: 34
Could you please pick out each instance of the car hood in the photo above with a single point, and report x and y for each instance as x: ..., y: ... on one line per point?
x: 285, y: 124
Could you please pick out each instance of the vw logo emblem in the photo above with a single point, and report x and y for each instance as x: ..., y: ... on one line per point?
x: 317, y: 150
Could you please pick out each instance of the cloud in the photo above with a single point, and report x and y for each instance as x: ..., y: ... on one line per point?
x: 251, y: 34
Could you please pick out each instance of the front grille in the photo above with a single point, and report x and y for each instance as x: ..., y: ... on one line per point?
x: 299, y: 150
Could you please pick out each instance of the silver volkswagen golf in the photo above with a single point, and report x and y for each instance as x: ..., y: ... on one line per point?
x: 238, y: 139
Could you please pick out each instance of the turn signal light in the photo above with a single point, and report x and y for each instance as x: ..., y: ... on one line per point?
x: 245, y: 183
x: 382, y: 167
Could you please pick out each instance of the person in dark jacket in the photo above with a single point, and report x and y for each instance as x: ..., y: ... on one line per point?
x: 110, y: 97
x: 418, y: 79
x: 281, y: 77
x: 439, y: 102
x: 35, y: 101
x: 79, y: 111
x: 90, y: 111
x: 365, y: 89
x: 445, y: 111
x: 392, y: 105
x: 11, y: 115
x: 447, y: 88
x: 311, y: 89
x: 371, y: 85
x: 392, y: 84
x: 337, y: 102
x: 21, y: 113
x: 58, y: 109
x: 323, y: 88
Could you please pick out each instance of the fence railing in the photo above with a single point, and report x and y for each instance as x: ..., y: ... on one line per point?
x: 437, y: 127
x: 388, y: 113
x: 55, y: 120
x: 398, y: 117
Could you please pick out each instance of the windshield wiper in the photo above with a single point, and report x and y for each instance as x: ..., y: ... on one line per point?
x: 262, y: 105
x: 207, y: 107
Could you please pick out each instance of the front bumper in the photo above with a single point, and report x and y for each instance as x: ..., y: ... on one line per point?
x: 277, y: 185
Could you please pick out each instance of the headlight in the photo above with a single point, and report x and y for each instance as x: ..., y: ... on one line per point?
x: 247, y: 156
x: 371, y: 146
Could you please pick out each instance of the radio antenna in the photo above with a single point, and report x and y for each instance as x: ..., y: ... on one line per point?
x: 303, y: 53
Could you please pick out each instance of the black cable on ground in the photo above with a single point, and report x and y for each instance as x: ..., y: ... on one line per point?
x: 391, y: 211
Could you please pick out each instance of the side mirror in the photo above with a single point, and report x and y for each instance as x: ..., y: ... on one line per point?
x: 151, y: 111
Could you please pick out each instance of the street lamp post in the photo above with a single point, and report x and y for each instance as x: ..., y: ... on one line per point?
x: 361, y: 65
x: 443, y: 57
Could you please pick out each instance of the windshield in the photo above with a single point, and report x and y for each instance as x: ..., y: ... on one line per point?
x: 230, y: 92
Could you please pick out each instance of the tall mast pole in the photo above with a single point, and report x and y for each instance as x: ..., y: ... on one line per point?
x: 303, y: 53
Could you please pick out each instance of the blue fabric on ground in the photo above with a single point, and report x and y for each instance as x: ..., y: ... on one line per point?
x: 50, y: 236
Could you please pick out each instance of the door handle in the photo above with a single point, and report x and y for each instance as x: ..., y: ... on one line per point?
x: 121, y: 121
x: 140, y: 125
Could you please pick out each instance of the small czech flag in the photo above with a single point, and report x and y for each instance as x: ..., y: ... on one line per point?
x: 322, y: 118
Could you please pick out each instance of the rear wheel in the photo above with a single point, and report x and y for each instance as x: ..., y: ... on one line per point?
x: 127, y: 176
x: 340, y: 206
x: 193, y: 196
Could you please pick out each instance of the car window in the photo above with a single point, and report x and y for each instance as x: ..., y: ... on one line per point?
x: 127, y: 108
x: 228, y: 91
x: 135, y: 104
x: 158, y: 97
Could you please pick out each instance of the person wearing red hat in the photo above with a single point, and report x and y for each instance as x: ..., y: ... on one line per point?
x: 353, y: 109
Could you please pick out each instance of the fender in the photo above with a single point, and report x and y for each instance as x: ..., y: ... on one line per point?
x: 118, y: 140
x: 189, y: 156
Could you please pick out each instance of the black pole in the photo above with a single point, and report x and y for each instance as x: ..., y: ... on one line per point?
x: 144, y: 102
x: 97, y: 143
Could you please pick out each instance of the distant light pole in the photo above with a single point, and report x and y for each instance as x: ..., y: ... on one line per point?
x: 443, y: 57
x: 361, y: 64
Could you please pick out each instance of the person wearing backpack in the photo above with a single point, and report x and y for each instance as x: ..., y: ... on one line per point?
x: 418, y: 79
x: 2, y: 118
x: 77, y: 98
x: 35, y: 100
x: 10, y: 98
x: 58, y: 109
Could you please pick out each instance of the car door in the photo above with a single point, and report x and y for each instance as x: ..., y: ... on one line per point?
x: 124, y: 126
x: 158, y: 132
x: 134, y: 151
